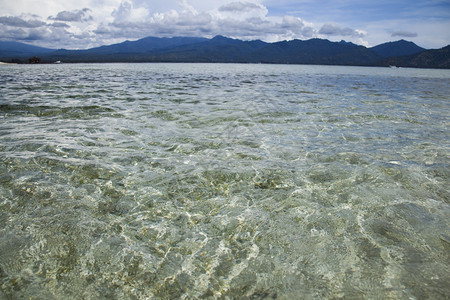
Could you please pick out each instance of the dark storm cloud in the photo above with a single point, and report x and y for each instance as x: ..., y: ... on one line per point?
x: 19, y: 22
x: 73, y: 16
x: 401, y: 33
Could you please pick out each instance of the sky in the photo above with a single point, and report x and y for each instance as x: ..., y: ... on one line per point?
x: 83, y: 24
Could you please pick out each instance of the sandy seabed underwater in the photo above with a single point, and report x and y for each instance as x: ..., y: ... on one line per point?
x: 224, y: 181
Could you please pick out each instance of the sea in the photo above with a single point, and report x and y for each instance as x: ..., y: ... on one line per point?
x: 224, y: 181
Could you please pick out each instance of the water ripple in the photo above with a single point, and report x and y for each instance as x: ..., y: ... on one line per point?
x: 194, y: 181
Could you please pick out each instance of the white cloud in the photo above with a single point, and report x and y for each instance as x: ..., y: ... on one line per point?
x: 126, y: 13
x: 297, y: 27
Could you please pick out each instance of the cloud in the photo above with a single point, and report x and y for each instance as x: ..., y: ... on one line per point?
x: 244, y: 20
x: 239, y: 7
x: 19, y: 22
x: 111, y: 21
x: 332, y: 29
x: 31, y: 28
x: 11, y: 33
x: 73, y: 16
x: 35, y: 35
x: 134, y: 19
x: 126, y: 13
x: 297, y: 26
x: 402, y: 33
x: 59, y: 24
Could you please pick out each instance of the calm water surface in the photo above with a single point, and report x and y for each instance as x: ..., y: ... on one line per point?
x: 213, y: 181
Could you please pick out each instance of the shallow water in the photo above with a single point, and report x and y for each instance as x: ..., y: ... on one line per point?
x: 189, y: 181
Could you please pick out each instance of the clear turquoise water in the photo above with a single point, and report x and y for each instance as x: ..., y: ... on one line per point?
x: 223, y: 181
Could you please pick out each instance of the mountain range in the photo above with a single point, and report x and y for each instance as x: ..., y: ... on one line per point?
x: 226, y: 50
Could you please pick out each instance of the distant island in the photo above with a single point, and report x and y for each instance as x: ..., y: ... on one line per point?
x: 221, y: 49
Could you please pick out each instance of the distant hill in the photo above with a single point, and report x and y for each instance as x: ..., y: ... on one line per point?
x: 125, y: 51
x: 437, y: 59
x: 398, y: 48
x: 145, y: 45
x: 15, y: 49
x: 223, y: 49
x: 315, y: 51
x: 217, y: 49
